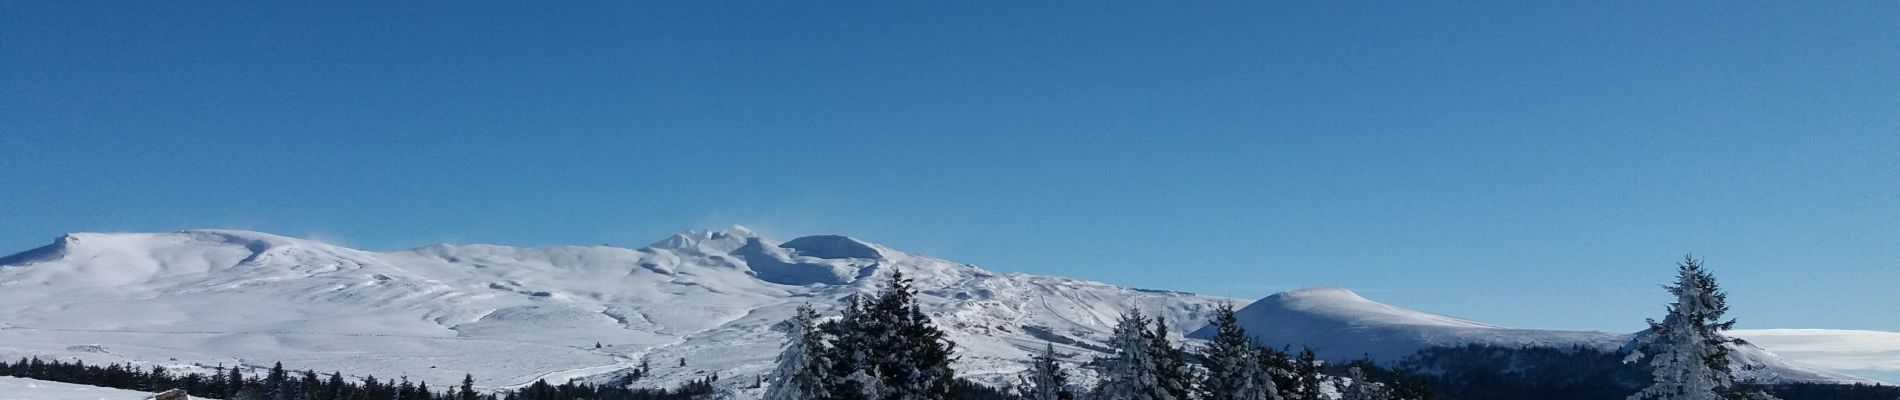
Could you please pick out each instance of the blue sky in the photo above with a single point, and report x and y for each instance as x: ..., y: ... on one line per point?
x: 1537, y: 165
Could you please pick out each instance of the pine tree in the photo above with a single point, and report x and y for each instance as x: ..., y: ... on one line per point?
x: 235, y: 383
x: 335, y: 386
x: 468, y: 387
x: 802, y: 371
x: 1358, y: 387
x: 309, y: 387
x: 277, y: 383
x: 853, y: 374
x: 1233, y: 363
x: 1688, y: 354
x: 1132, y: 373
x: 911, y: 355
x: 1171, y: 367
x: 1047, y: 380
x: 1307, y: 367
x: 154, y: 381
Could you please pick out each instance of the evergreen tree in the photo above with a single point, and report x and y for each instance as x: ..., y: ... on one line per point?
x: 1358, y: 387
x: 802, y: 371
x: 1047, y: 380
x: 335, y: 386
x: 277, y: 383
x: 235, y: 382
x: 1688, y: 354
x: 1307, y: 367
x: 853, y: 373
x: 468, y: 387
x: 155, y: 381
x: 1171, y: 367
x: 1132, y: 373
x: 911, y: 355
x: 1235, y: 369
x: 309, y: 387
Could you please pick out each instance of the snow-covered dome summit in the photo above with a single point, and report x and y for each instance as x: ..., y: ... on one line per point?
x: 1341, y: 325
x: 708, y: 240
x: 833, y: 247
x: 1347, y: 308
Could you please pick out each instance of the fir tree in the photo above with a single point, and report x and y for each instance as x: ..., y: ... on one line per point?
x: 404, y: 390
x: 468, y: 387
x: 1358, y: 387
x: 1307, y: 367
x: 1132, y: 373
x: 1047, y: 380
x: 335, y: 386
x: 1688, y: 354
x: 1235, y: 369
x: 853, y: 375
x: 1171, y: 367
x: 277, y: 383
x: 309, y: 387
x: 235, y: 382
x: 802, y: 371
x: 911, y: 356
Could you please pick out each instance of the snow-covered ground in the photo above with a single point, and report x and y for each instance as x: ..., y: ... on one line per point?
x: 509, y: 315
x: 1870, y: 354
x: 12, y: 388
x: 512, y: 315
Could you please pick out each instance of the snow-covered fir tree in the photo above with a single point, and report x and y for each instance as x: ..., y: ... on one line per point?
x: 914, y: 361
x: 1308, y: 366
x: 1132, y: 372
x: 1171, y: 366
x: 1047, y: 380
x: 1357, y: 387
x: 1687, y: 352
x: 802, y: 372
x: 1234, y: 370
x: 886, y: 348
x: 852, y: 374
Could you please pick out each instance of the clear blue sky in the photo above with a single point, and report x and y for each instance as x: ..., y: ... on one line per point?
x: 1529, y: 163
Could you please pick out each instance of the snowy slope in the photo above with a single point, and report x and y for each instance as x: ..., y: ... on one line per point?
x: 1871, y: 354
x: 1340, y: 325
x: 510, y: 315
x: 12, y: 388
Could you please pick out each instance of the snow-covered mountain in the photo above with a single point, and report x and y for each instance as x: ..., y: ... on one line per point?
x: 1340, y: 325
x: 1871, y: 354
x: 512, y: 315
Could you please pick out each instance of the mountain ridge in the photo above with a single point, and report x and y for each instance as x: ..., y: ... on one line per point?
x: 434, y: 312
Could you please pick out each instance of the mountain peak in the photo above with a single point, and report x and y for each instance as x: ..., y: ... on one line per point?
x: 1321, y: 293
x: 1346, y: 306
x: 833, y: 247
x: 709, y: 240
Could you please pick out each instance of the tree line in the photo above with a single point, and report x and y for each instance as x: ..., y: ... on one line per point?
x: 885, y: 348
x: 1684, y: 356
x: 280, y: 384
